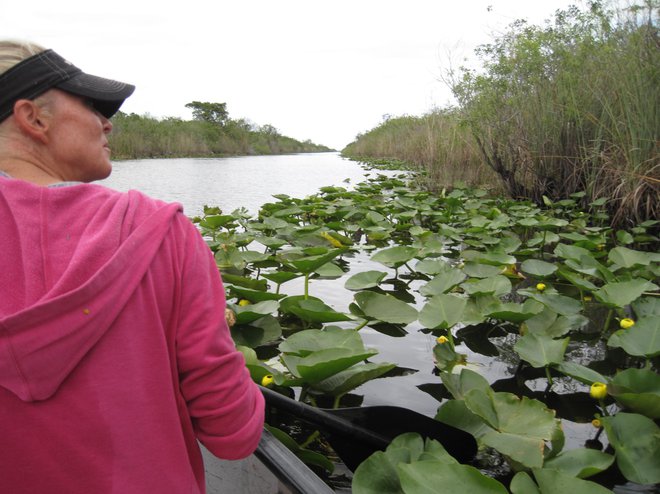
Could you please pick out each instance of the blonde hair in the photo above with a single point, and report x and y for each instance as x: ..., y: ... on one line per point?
x: 13, y: 52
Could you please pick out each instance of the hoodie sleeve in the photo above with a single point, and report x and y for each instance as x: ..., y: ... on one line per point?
x: 225, y: 405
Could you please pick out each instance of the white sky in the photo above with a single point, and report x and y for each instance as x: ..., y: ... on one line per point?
x: 320, y: 70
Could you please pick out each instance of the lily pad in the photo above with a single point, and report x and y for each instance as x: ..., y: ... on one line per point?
x: 581, y: 462
x: 424, y: 477
x: 249, y: 313
x: 643, y: 339
x: 394, y: 256
x: 443, y: 282
x: 442, y: 311
x: 636, y: 440
x: 344, y: 381
x: 581, y: 373
x: 538, y: 268
x: 638, y: 390
x: 259, y: 332
x: 541, y: 351
x: 520, y: 427
x: 364, y: 280
x: 628, y: 258
x: 385, y: 308
x: 379, y: 473
x: 514, y: 312
x: 311, y: 309
x: 622, y: 293
x: 495, y: 285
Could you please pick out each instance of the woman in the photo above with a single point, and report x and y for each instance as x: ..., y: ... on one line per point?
x: 114, y: 352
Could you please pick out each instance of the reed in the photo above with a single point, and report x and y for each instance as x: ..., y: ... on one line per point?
x: 573, y: 107
x: 436, y: 144
x: 570, y: 107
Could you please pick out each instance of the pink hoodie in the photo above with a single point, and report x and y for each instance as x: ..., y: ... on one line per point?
x: 114, y: 352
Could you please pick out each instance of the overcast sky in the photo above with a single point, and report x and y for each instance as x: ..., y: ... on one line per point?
x: 319, y: 70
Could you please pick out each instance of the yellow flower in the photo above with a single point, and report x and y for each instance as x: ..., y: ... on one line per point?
x: 626, y: 323
x: 442, y: 340
x: 598, y: 391
x: 540, y: 287
x: 596, y: 423
x: 587, y: 298
x: 267, y: 380
x: 243, y: 302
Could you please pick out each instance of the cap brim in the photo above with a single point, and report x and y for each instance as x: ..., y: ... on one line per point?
x: 107, y: 95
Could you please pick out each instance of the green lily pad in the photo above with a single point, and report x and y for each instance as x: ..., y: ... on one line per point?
x: 443, y: 282
x: 379, y: 473
x: 394, y: 256
x: 311, y: 309
x: 638, y: 390
x: 431, y: 266
x: 541, y: 351
x: 642, y: 339
x: 515, y: 312
x: 581, y: 462
x: 577, y: 280
x: 628, y: 258
x: 520, y: 427
x: 492, y: 258
x: 538, y: 268
x: 349, y: 379
x: 385, y: 308
x: 250, y: 283
x: 552, y: 481
x: 566, y: 251
x: 495, y: 285
x: 477, y: 270
x: 424, y: 477
x: 522, y: 483
x: 322, y: 364
x: 560, y: 304
x: 622, y: 293
x: 309, y: 264
x: 636, y: 440
x: 364, y: 280
x: 250, y: 313
x: 647, y: 307
x: 329, y: 270
x: 259, y: 332
x: 580, y: 373
x: 442, y: 311
x: 253, y: 296
x: 279, y: 277
x: 311, y: 340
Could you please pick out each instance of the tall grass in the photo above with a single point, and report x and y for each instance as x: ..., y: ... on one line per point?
x: 436, y: 143
x: 573, y: 106
x: 136, y: 136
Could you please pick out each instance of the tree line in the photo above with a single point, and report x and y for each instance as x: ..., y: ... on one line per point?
x: 210, y: 133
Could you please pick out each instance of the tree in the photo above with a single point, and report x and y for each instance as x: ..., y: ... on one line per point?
x: 215, y: 113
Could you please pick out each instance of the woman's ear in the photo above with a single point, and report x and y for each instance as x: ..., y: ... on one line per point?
x: 31, y: 119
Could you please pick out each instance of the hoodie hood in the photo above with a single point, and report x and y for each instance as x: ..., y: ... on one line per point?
x: 71, y: 259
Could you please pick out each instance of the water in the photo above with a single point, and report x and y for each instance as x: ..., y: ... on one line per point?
x: 231, y: 183
x: 249, y: 182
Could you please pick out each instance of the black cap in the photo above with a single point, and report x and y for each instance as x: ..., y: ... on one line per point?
x: 46, y: 70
